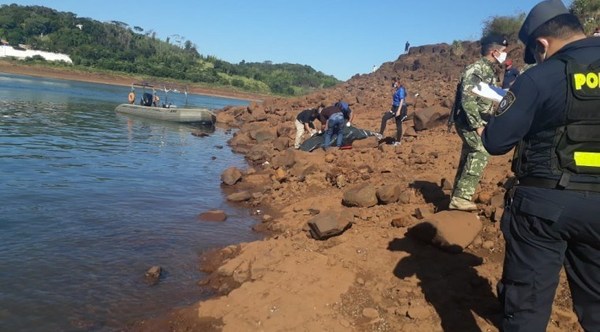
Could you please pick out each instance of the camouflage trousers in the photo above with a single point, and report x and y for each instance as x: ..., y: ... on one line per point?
x: 473, y: 159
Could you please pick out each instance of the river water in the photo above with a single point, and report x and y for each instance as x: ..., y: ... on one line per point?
x: 90, y: 199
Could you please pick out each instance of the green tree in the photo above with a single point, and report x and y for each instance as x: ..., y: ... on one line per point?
x: 588, y: 12
x: 507, y: 26
x: 118, y: 47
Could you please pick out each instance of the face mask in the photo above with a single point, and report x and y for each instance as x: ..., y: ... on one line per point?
x: 502, y: 57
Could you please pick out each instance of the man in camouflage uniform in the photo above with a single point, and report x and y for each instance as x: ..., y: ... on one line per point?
x: 472, y: 116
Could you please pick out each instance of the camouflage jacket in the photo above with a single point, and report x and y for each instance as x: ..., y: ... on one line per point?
x: 477, y: 109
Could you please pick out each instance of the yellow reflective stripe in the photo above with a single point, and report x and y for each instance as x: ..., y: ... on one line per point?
x: 588, y: 159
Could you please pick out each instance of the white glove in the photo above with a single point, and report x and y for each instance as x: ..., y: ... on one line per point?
x: 313, y: 132
x: 348, y: 124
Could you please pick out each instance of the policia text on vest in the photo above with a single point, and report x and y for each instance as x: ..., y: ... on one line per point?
x: 586, y: 80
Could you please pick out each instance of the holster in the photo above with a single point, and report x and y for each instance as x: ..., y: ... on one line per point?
x: 511, y: 187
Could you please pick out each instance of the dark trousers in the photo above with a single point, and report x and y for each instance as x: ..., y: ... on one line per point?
x: 544, y: 230
x: 388, y: 115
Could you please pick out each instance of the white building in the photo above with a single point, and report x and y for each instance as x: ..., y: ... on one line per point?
x: 9, y: 51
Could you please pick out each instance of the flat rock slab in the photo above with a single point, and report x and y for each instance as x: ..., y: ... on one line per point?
x: 213, y: 215
x: 451, y: 231
x: 239, y: 197
x: 329, y: 224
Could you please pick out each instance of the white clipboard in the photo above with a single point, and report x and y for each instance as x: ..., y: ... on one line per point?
x: 487, y: 91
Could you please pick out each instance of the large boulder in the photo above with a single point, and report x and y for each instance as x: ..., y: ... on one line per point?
x: 257, y: 153
x: 430, y: 117
x: 281, y: 143
x: 285, y: 159
x: 285, y: 130
x: 267, y: 135
x: 364, y: 195
x: 231, y: 176
x: 225, y: 118
x: 389, y: 193
x: 451, y: 231
x: 367, y: 143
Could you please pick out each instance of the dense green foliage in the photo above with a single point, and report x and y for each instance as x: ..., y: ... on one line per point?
x: 507, y: 26
x: 117, y: 47
x: 588, y: 12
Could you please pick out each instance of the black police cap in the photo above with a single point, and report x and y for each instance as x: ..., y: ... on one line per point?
x: 494, y: 39
x: 540, y: 14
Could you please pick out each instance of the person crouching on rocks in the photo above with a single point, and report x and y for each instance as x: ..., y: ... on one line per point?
x: 305, y: 123
x: 332, y: 120
x: 399, y: 111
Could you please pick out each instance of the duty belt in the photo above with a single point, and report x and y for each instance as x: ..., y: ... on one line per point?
x: 554, y: 184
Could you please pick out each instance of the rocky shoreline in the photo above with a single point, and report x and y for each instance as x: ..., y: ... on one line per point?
x: 403, y: 264
x: 375, y: 275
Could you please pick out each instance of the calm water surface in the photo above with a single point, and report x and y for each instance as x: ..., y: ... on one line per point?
x: 90, y: 199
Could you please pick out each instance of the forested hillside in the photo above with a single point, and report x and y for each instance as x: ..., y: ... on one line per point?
x: 116, y: 46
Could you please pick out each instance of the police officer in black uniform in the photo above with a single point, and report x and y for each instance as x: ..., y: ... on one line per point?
x: 552, y: 115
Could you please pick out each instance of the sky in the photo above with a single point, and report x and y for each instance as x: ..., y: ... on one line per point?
x: 337, y: 37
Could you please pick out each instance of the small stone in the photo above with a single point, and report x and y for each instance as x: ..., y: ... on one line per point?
x: 488, y: 245
x: 344, y: 323
x: 497, y: 201
x: 484, y: 197
x: 360, y: 281
x: 153, y: 275
x: 239, y: 197
x: 370, y: 313
x: 280, y: 175
x: 418, y: 313
x: 497, y: 215
x: 418, y: 213
x: 403, y: 221
x: 340, y: 181
x: 477, y: 242
x: 446, y: 185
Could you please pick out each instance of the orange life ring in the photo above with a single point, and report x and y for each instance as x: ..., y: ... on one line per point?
x: 131, y: 97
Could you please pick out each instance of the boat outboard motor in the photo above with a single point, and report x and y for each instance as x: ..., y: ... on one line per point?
x: 147, y: 99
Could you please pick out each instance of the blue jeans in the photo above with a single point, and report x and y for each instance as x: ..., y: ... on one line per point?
x: 334, y: 126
